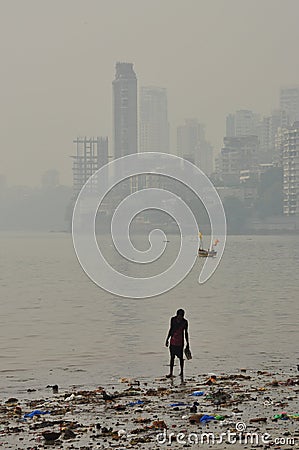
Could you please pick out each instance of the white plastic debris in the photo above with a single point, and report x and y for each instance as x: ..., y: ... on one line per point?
x: 121, y: 433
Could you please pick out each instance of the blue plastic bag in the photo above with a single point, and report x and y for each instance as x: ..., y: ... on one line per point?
x: 206, y: 418
x: 36, y: 412
x: 139, y: 402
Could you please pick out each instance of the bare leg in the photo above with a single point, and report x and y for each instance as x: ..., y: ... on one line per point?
x: 182, y: 367
x: 171, y: 367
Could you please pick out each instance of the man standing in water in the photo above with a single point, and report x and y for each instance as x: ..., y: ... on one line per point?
x: 178, y: 328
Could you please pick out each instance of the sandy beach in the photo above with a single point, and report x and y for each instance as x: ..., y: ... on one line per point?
x: 246, y: 409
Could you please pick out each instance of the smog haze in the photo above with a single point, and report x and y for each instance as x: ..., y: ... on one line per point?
x: 58, y: 61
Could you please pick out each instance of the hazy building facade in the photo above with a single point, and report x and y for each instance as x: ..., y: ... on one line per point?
x: 153, y: 120
x: 279, y: 142
x: 192, y: 145
x: 206, y: 157
x: 230, y: 126
x: 91, y: 154
x: 125, y: 110
x: 242, y: 123
x: 268, y: 128
x: 289, y: 102
x: 246, y: 123
x: 188, y: 140
x: 264, y: 134
x: 290, y: 164
x: 237, y: 155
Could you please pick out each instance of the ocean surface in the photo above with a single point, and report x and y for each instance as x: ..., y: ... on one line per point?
x: 57, y: 326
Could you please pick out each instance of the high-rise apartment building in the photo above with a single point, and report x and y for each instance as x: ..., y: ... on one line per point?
x: 192, y: 145
x: 242, y: 123
x: 289, y: 102
x: 206, y: 157
x: 246, y: 123
x: 290, y: 164
x: 188, y: 140
x: 264, y: 134
x: 125, y: 110
x: 238, y: 154
x: 153, y: 120
x: 267, y: 131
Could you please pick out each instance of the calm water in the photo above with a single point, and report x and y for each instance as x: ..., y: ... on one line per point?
x: 56, y: 326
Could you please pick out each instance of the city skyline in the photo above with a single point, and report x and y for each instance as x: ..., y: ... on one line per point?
x: 58, y: 86
x: 153, y: 101
x: 240, y: 124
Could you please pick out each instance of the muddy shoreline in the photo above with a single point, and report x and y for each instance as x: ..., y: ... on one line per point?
x: 246, y: 409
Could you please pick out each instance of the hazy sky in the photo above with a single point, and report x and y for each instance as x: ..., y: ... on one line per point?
x: 58, y: 59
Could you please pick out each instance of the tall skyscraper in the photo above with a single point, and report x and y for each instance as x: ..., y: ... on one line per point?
x: 246, y: 123
x: 242, y: 123
x: 125, y: 110
x: 289, y: 102
x: 188, y: 140
x: 192, y: 145
x: 206, y: 157
x: 154, y: 126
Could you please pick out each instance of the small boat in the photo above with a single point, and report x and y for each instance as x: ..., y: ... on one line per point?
x: 206, y: 253
x: 210, y: 253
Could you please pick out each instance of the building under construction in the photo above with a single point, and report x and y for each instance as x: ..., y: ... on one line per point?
x: 91, y: 155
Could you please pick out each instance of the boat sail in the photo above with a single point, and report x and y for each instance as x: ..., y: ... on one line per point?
x: 210, y: 253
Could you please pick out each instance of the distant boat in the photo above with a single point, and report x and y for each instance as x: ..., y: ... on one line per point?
x: 210, y: 253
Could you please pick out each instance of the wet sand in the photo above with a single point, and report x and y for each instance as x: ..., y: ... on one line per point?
x: 247, y: 409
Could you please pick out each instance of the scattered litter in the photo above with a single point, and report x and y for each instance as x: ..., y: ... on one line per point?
x: 197, y: 393
x: 133, y: 414
x: 138, y: 402
x: 36, y: 412
x: 282, y: 416
x: 70, y: 398
x: 206, y: 418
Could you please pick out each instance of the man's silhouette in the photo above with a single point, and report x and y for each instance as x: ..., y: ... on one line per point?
x: 177, y: 332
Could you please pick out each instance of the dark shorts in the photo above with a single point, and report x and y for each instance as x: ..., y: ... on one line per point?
x: 176, y: 350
